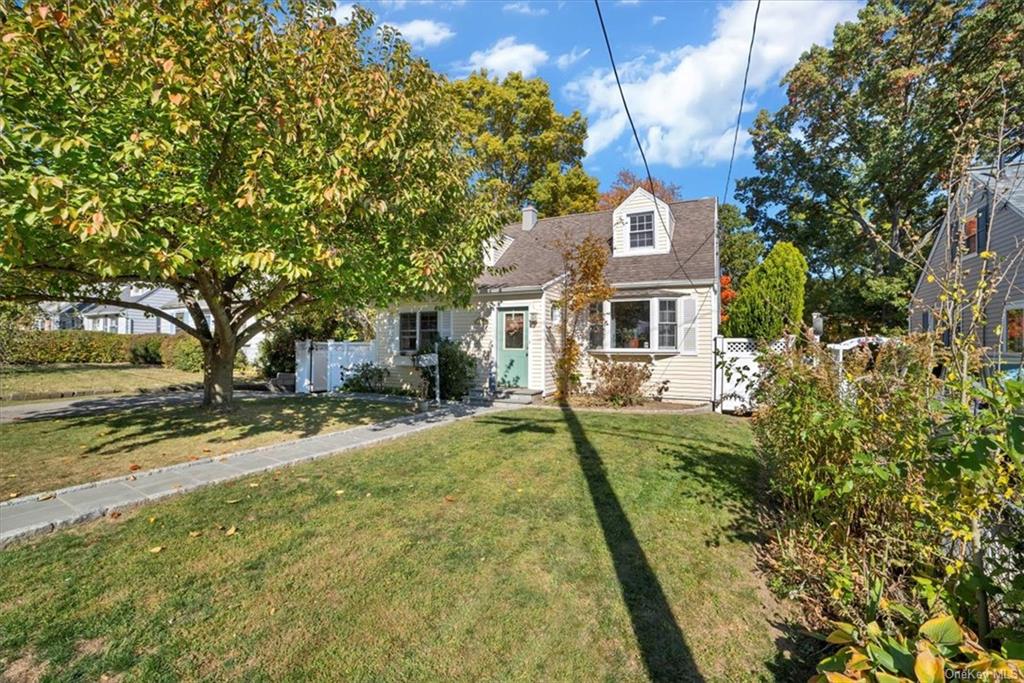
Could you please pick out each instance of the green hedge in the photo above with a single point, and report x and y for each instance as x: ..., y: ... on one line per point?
x: 69, y: 346
x: 144, y: 349
x: 183, y: 352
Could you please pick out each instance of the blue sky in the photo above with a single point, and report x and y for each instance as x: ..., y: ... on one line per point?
x: 681, y: 63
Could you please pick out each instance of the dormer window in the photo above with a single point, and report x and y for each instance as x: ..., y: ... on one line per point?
x: 641, y: 230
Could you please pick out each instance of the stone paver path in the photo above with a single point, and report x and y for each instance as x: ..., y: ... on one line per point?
x: 30, y: 515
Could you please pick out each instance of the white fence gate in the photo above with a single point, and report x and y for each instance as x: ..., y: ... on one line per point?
x: 737, y: 371
x: 324, y: 366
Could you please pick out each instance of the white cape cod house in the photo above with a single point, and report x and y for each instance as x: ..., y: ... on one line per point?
x: 665, y: 311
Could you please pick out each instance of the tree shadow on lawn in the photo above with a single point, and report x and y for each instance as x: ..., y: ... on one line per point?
x: 133, y: 429
x: 663, y: 648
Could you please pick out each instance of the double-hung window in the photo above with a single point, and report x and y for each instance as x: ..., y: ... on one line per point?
x: 595, y: 319
x: 417, y: 332
x: 641, y: 230
x: 668, y: 330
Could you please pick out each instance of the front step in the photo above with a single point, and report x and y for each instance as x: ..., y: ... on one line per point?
x: 506, y: 396
x: 516, y: 396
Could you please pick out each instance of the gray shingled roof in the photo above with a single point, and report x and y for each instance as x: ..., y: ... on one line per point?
x: 533, y: 259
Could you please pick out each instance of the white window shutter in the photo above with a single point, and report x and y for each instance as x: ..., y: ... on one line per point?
x: 690, y: 325
x: 444, y: 324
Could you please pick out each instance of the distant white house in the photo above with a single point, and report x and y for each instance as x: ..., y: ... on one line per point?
x: 122, y: 320
x: 60, y: 315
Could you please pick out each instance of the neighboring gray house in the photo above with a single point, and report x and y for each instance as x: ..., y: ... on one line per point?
x: 994, y: 227
x: 663, y: 265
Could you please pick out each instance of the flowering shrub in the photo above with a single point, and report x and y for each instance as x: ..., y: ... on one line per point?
x: 622, y: 384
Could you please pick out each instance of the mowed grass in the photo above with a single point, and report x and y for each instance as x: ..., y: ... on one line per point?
x: 517, y: 546
x: 44, y: 454
x: 78, y: 377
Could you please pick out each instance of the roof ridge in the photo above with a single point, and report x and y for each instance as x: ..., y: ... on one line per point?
x: 591, y: 213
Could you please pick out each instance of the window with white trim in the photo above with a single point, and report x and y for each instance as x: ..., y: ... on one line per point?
x: 417, y: 331
x: 668, y: 329
x: 1013, y: 328
x: 631, y: 324
x: 641, y: 230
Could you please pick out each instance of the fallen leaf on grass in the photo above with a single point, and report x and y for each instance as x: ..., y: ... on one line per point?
x: 207, y: 450
x: 339, y: 492
x: 134, y: 467
x: 449, y: 499
x: 272, y: 610
x: 231, y: 532
x: 152, y: 519
x: 155, y: 549
x: 13, y: 495
x: 193, y: 534
x: 114, y: 514
x: 233, y: 501
x: 132, y: 477
x: 46, y: 496
x: 193, y: 457
x: 254, y: 485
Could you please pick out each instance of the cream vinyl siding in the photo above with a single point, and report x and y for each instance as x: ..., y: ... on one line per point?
x: 473, y: 327
x: 689, y: 376
x: 641, y: 202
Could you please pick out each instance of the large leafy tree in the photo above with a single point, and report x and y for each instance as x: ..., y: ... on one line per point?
x: 740, y: 246
x: 625, y: 184
x: 851, y: 168
x: 525, y: 147
x: 255, y: 157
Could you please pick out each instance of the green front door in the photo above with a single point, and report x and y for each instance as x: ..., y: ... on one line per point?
x: 513, y: 342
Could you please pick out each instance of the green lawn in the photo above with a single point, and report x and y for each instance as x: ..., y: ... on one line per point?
x: 45, y: 454
x: 518, y: 546
x: 19, y: 379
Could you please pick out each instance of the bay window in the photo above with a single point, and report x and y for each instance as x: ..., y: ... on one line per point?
x: 631, y: 324
x: 596, y: 330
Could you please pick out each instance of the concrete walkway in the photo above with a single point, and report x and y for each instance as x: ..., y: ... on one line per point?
x: 29, y: 515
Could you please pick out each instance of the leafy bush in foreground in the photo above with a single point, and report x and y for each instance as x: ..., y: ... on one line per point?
x: 183, y: 352
x: 941, y: 651
x: 144, y: 349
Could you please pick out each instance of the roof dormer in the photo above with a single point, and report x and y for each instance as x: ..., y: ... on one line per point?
x: 642, y: 225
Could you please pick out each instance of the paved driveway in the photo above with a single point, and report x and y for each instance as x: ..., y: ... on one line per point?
x: 97, y: 404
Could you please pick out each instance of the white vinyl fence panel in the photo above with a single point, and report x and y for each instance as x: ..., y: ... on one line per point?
x: 738, y: 371
x: 324, y: 366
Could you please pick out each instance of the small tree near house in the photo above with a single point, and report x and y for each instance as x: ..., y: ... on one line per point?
x: 254, y: 157
x: 583, y: 285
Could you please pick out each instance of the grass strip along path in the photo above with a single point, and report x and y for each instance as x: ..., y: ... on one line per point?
x: 532, y: 545
x: 50, y: 453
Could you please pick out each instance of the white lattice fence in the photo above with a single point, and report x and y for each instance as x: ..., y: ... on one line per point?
x: 737, y: 371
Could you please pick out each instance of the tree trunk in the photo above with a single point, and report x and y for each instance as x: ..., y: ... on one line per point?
x: 218, y: 372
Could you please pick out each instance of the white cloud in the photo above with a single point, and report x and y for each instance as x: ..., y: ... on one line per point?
x: 684, y: 101
x: 342, y: 12
x: 524, y: 8
x: 506, y: 56
x: 657, y: 19
x: 570, y: 58
x: 424, y: 32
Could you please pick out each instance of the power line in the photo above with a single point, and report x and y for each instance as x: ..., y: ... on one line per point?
x: 743, y: 96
